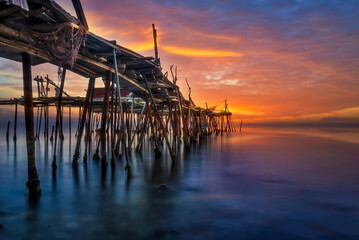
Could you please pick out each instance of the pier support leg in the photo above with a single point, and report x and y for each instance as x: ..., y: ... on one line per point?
x: 88, y: 134
x: 33, y: 183
x: 58, y: 116
x: 104, y: 117
x: 15, y: 124
x: 159, y: 120
x: 75, y: 160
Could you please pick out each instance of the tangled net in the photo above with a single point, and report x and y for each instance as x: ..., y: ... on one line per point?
x: 63, y: 44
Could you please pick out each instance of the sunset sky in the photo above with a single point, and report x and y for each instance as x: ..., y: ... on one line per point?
x: 274, y: 61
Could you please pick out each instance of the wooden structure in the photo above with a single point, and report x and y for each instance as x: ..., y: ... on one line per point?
x: 40, y: 31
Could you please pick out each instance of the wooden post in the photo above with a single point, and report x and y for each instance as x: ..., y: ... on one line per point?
x: 157, y: 60
x: 61, y: 123
x: 139, y: 144
x: 39, y: 128
x: 159, y: 119
x: 185, y: 129
x: 116, y: 104
x: 139, y: 118
x: 104, y: 117
x: 173, y: 125
x: 15, y: 124
x: 37, y: 121
x: 112, y: 131
x: 82, y: 123
x: 88, y: 135
x: 47, y: 110
x: 33, y: 183
x: 45, y: 121
x: 70, y: 122
x: 131, y: 121
x: 54, y: 166
x: 118, y: 88
x: 80, y: 13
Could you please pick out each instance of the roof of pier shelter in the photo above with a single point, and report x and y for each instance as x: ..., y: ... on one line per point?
x: 93, y: 60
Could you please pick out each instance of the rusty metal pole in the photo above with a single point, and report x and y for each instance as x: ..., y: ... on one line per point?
x: 104, y: 117
x: 33, y: 183
x: 75, y: 159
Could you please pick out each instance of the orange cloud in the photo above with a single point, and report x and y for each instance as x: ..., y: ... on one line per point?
x: 201, y: 52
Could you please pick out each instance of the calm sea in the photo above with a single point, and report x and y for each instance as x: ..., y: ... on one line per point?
x: 258, y: 184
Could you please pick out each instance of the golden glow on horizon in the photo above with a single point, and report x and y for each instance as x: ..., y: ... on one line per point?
x: 244, y: 111
x: 200, y: 52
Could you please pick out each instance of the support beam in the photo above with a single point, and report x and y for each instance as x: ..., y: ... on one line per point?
x: 80, y: 13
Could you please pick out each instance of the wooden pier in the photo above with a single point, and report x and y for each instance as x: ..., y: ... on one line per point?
x: 138, y: 100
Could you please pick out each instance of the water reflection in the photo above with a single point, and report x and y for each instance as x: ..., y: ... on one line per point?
x: 252, y: 185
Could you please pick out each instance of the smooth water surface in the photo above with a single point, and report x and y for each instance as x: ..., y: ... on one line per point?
x: 259, y: 184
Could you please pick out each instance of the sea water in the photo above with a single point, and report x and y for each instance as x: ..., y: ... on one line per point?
x: 261, y: 183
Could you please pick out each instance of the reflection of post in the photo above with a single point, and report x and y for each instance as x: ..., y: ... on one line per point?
x: 33, y: 183
x: 7, y: 132
x: 52, y: 133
